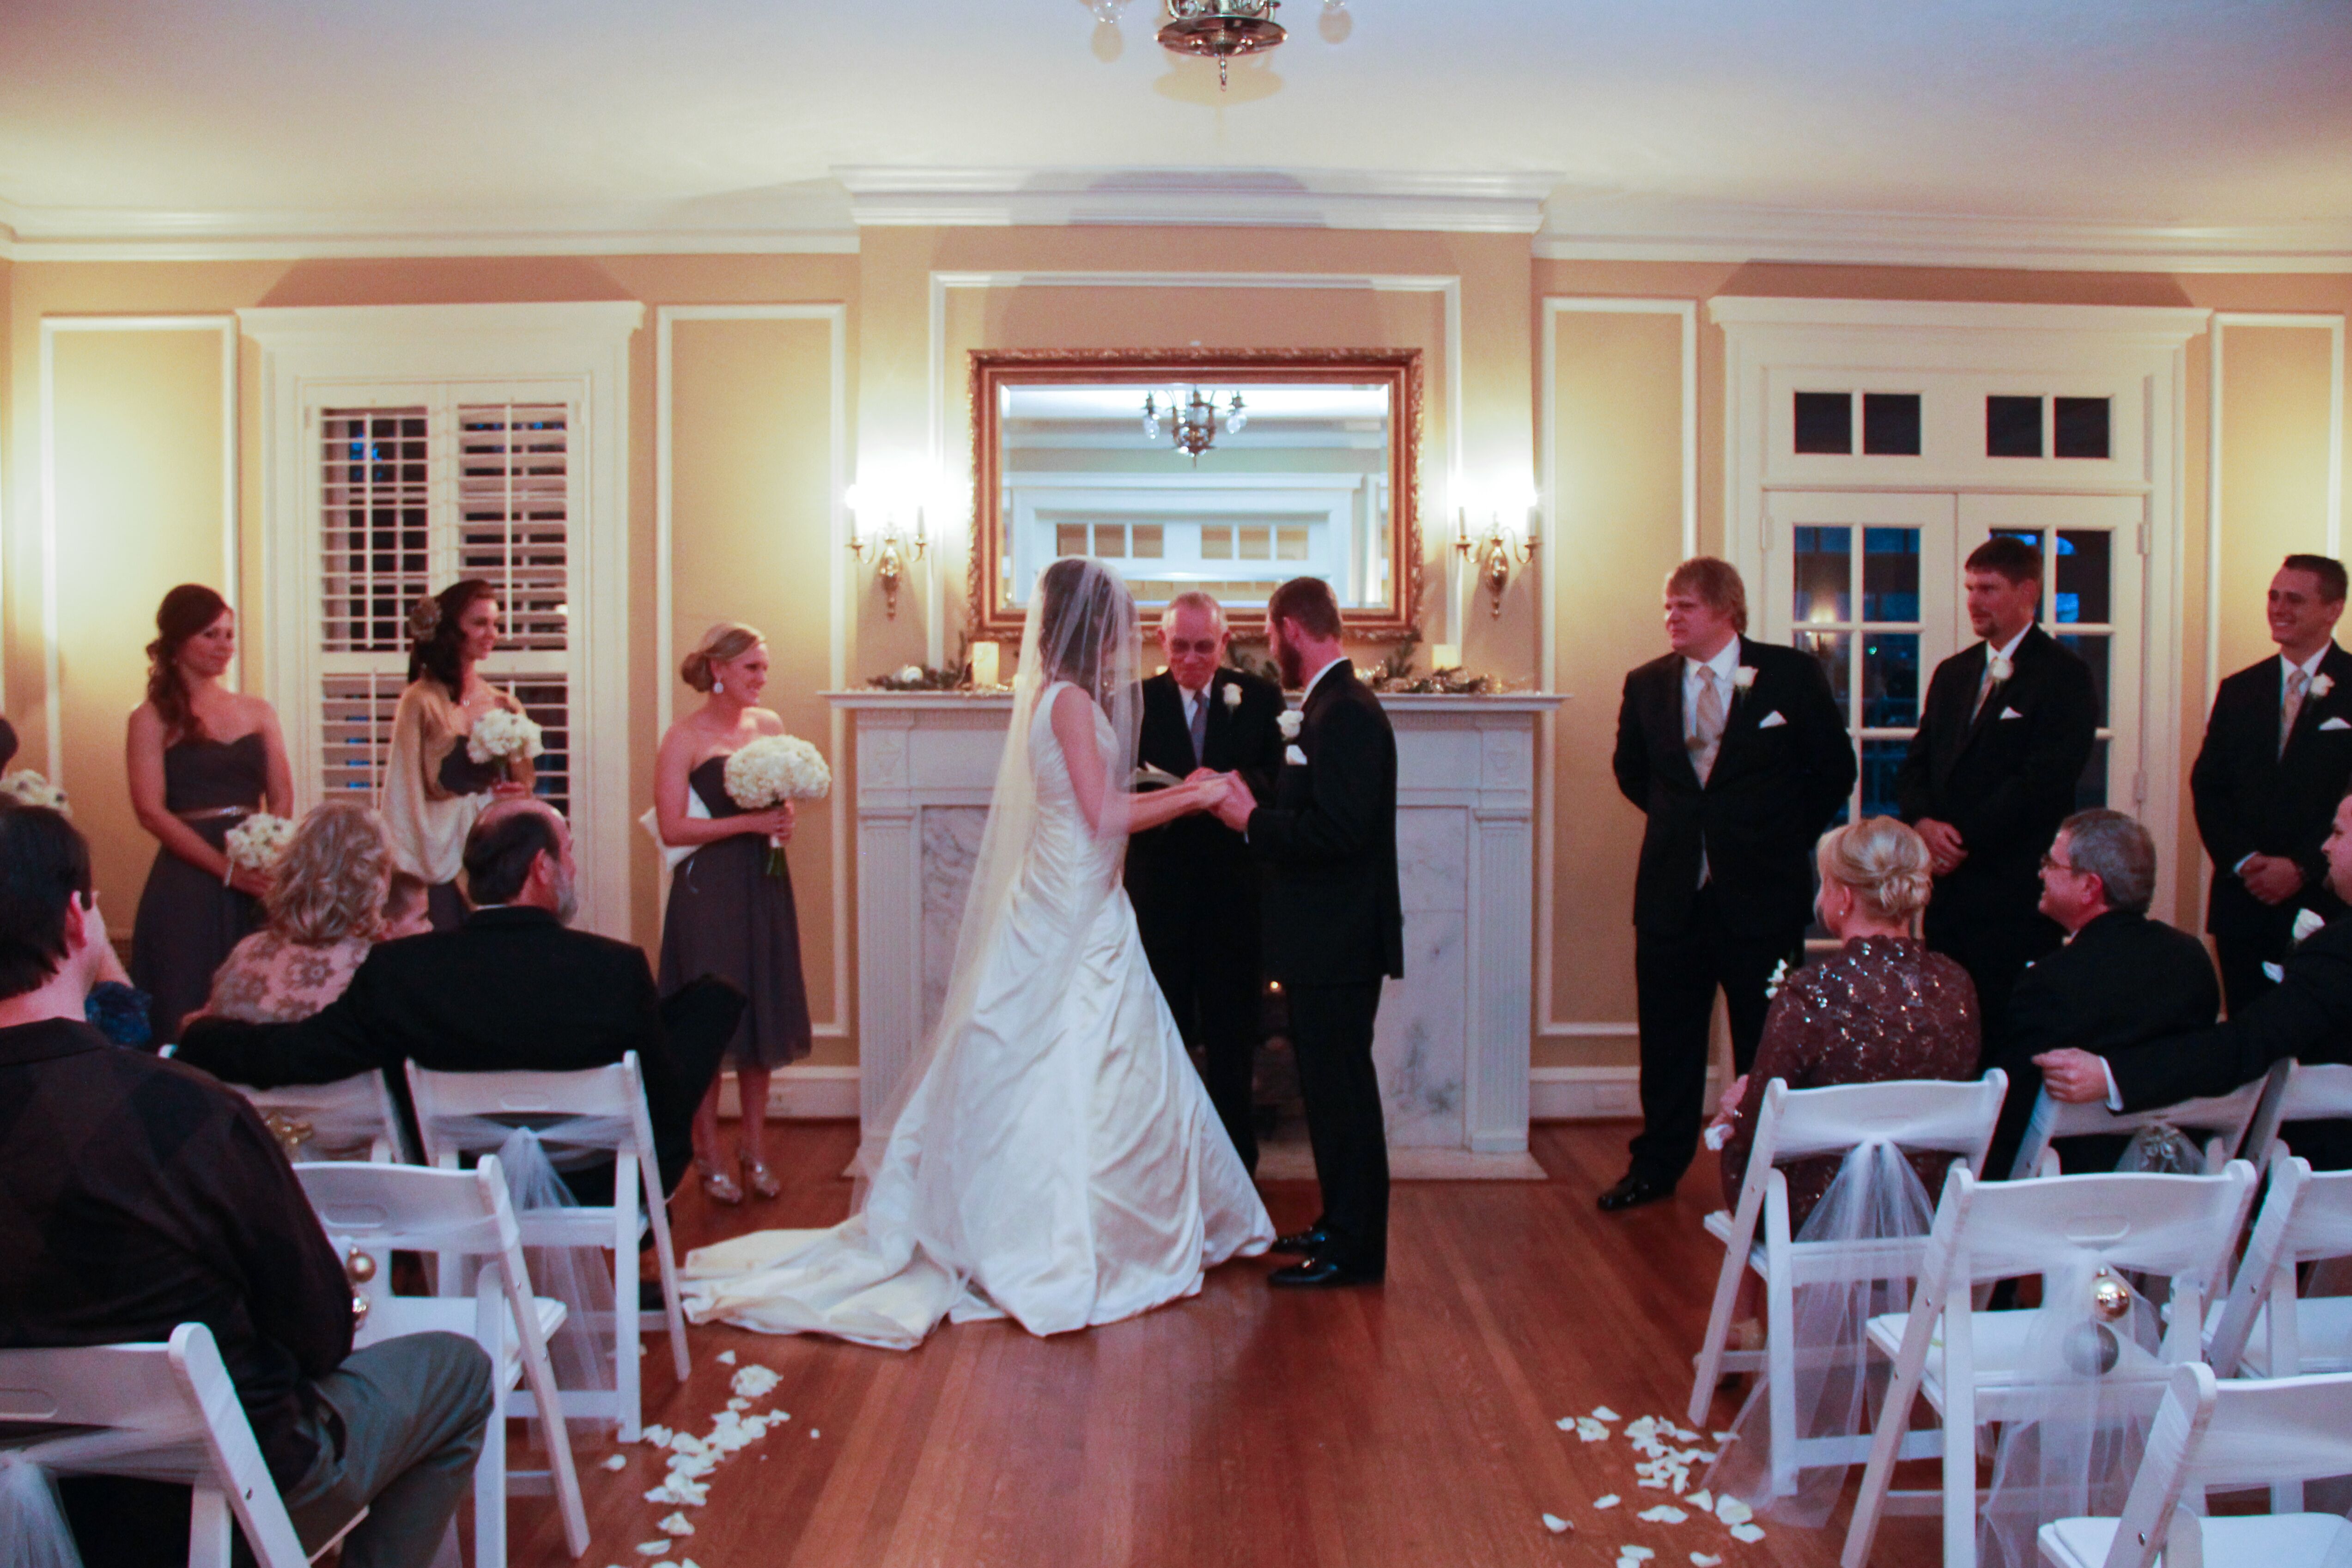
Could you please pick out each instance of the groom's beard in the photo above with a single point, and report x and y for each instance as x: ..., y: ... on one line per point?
x: 1286, y: 660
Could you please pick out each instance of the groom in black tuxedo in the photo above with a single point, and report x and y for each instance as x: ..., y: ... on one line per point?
x: 2004, y: 735
x: 1334, y: 925
x: 1738, y: 755
x: 1191, y: 882
x: 2276, y: 759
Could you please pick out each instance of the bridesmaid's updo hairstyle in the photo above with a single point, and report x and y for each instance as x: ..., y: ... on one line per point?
x: 1883, y: 862
x: 185, y: 610
x: 435, y: 640
x: 723, y: 644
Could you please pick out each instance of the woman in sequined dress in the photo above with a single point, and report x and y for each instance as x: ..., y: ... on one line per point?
x: 1882, y: 1006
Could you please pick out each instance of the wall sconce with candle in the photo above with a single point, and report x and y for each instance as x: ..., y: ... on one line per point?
x: 877, y: 517
x: 1502, y: 546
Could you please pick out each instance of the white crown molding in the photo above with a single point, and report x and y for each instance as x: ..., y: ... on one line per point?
x: 1585, y: 227
x: 1268, y: 198
x: 2167, y: 325
x: 811, y: 220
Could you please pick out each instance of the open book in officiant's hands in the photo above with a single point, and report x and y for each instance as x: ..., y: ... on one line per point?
x: 1147, y: 776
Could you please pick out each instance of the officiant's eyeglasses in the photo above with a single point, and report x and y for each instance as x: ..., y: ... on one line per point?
x: 1200, y: 645
x: 2049, y: 865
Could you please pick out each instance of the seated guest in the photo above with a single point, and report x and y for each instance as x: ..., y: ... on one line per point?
x: 2307, y: 1017
x: 137, y: 1194
x: 508, y: 990
x: 1880, y: 1007
x: 325, y: 905
x: 7, y: 744
x: 2121, y: 980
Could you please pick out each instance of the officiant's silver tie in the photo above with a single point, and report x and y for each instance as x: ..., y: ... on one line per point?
x: 1200, y: 732
x: 2297, y: 682
x: 1706, y: 727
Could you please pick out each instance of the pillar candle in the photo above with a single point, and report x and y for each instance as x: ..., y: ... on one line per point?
x: 984, y: 664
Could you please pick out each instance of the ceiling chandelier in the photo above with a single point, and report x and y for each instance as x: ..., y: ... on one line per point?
x: 1220, y: 29
x: 1191, y: 420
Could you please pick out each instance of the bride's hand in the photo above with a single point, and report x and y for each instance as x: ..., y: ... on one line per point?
x: 776, y: 822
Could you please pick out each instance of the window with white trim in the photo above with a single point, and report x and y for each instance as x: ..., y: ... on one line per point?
x: 412, y: 497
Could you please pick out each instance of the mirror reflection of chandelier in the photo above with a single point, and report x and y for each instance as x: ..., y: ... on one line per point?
x: 1192, y: 419
x: 1220, y: 29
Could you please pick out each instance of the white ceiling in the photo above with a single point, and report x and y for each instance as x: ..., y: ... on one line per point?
x: 135, y: 116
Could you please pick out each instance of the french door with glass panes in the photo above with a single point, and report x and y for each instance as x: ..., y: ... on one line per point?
x: 1871, y: 585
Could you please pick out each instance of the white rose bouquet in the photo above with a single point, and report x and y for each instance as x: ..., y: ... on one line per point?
x: 772, y: 770
x: 27, y: 787
x: 256, y: 844
x: 504, y: 736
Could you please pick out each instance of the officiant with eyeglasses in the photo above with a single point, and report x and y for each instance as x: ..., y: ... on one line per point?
x: 1192, y: 883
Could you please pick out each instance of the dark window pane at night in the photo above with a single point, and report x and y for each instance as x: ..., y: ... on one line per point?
x: 1890, y: 680
x: 1881, y: 761
x: 2012, y: 427
x: 1890, y: 574
x: 1890, y: 424
x: 1831, y: 648
x: 1823, y: 574
x: 2079, y: 427
x: 2092, y: 790
x: 2085, y: 571
x: 2092, y: 649
x: 1825, y: 422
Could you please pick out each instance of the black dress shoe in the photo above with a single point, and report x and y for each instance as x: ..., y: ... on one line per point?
x: 1321, y: 1274
x: 1632, y: 1192
x: 1302, y: 1243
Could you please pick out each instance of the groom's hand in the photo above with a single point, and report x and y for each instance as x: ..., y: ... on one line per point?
x: 1233, y: 806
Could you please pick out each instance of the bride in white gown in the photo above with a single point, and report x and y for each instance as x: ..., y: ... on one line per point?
x: 1052, y: 1155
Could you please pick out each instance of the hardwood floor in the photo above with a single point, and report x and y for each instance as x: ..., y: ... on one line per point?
x: 1408, y: 1425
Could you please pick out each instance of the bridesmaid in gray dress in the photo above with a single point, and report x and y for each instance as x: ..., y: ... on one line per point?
x: 201, y: 758
x: 727, y: 915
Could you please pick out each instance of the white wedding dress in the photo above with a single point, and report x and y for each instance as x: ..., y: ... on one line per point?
x: 1058, y: 1161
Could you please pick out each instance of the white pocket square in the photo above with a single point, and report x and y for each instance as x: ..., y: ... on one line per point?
x: 1772, y: 721
x: 2010, y: 713
x: 2271, y: 971
x: 2336, y: 724
x: 1293, y: 756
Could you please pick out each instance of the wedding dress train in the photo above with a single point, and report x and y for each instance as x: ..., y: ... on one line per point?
x: 1057, y: 1160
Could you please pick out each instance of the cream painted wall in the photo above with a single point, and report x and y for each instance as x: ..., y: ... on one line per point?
x: 2273, y: 471
x: 746, y: 491
x: 750, y: 460
x: 137, y: 432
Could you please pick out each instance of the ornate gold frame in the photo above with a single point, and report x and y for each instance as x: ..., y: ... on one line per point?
x: 1400, y: 368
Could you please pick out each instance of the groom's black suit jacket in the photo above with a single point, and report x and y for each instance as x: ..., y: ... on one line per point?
x: 1771, y: 793
x: 1197, y: 860
x: 1333, y: 914
x: 511, y: 990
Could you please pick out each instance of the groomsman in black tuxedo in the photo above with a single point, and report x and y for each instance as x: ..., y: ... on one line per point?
x: 1737, y: 753
x: 1192, y: 884
x: 2276, y: 759
x: 1334, y: 925
x: 2003, y: 742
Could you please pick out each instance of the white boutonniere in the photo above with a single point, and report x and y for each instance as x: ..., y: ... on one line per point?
x: 1289, y: 723
x: 1293, y: 756
x: 2000, y: 666
x: 1774, y: 980
x: 1743, y: 678
x: 2306, y: 923
x: 1232, y: 695
x: 2321, y: 685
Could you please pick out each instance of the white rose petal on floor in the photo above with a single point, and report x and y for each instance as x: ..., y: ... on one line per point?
x: 1555, y: 1524
x: 1664, y: 1513
x: 1610, y: 1502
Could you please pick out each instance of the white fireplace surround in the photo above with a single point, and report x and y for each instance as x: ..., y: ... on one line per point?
x: 1454, y: 1035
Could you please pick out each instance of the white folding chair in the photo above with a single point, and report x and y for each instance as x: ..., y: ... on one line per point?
x: 2213, y: 1434
x: 376, y: 1210
x: 449, y: 1101
x: 351, y: 1118
x: 165, y: 1411
x: 1914, y: 1115
x: 2223, y: 1117
x: 1974, y: 1367
x: 2317, y: 1091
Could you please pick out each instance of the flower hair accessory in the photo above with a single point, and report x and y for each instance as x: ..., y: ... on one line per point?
x: 1232, y: 695
x: 1774, y: 980
x: 1999, y: 665
x: 1743, y: 678
x: 424, y: 618
x: 2322, y: 684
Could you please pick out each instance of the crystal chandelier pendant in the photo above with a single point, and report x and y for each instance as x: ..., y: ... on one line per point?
x: 1220, y: 29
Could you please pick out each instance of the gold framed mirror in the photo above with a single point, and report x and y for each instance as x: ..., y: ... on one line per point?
x: 1228, y: 470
